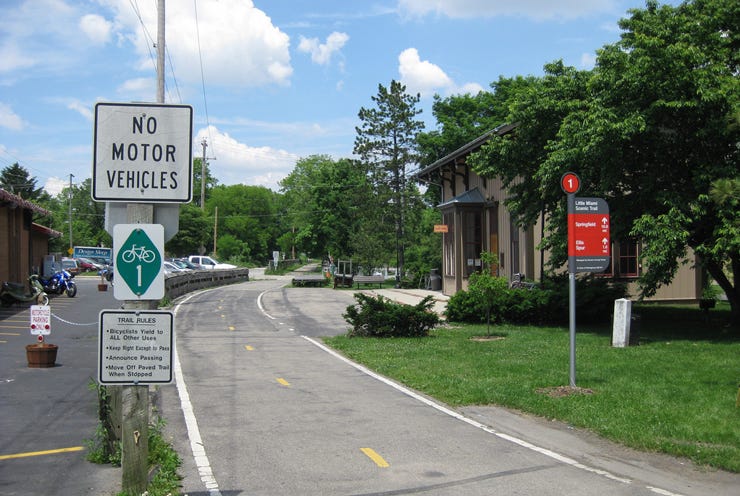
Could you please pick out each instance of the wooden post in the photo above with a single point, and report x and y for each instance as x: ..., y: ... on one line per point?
x: 135, y: 442
x: 135, y: 399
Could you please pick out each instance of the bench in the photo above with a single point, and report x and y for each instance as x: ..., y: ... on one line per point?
x: 309, y: 280
x: 379, y: 280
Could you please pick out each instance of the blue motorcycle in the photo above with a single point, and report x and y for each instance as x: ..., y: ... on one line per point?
x: 60, y: 282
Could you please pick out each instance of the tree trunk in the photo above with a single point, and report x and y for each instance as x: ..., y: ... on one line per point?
x: 733, y: 298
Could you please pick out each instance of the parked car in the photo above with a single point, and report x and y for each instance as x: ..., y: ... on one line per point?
x: 183, y: 264
x: 209, y: 262
x: 70, y: 265
x: 87, y: 264
x: 171, y: 268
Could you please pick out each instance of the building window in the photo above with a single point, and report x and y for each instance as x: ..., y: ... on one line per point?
x: 448, y: 242
x: 514, y: 248
x: 472, y: 241
x: 627, y: 259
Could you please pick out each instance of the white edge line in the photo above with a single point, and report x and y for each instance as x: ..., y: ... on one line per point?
x: 196, y: 443
x: 525, y: 444
x: 262, y: 309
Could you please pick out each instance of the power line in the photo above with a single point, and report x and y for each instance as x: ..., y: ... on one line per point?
x: 202, y: 76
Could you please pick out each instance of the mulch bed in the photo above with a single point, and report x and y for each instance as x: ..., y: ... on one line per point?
x: 564, y: 391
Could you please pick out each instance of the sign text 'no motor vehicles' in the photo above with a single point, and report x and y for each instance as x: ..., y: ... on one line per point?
x: 143, y: 153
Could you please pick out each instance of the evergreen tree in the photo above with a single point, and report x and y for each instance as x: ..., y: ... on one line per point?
x: 386, y: 144
x: 17, y: 180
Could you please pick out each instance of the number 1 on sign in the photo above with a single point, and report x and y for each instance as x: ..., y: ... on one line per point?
x: 138, y: 275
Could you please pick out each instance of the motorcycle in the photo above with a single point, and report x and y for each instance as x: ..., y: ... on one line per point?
x: 60, y: 282
x: 16, y: 293
x: 106, y: 273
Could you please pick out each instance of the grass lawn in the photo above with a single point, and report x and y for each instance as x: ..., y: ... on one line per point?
x: 675, y: 393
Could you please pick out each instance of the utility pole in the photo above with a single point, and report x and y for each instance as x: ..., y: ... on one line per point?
x: 215, y: 231
x: 203, y: 175
x: 70, y: 213
x: 135, y: 399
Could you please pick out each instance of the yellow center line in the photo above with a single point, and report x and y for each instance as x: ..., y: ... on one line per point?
x: 10, y: 333
x: 283, y: 381
x: 248, y: 348
x: 40, y: 453
x: 379, y: 461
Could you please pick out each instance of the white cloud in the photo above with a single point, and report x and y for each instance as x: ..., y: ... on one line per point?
x: 96, y: 28
x: 12, y: 58
x: 322, y: 53
x: 239, y: 163
x: 239, y: 45
x: 55, y: 185
x: 426, y: 78
x: 9, y: 119
x: 139, y: 89
x: 534, y: 9
x: 83, y: 109
x: 588, y: 60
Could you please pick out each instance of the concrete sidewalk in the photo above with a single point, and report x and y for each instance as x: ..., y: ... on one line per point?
x: 413, y: 297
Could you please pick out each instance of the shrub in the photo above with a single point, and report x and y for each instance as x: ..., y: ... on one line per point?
x: 381, y: 317
x: 545, y: 305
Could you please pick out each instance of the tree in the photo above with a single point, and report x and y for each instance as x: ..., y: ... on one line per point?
x: 249, y: 214
x: 211, y: 181
x: 462, y: 118
x: 17, y: 180
x: 323, y: 199
x: 194, y: 231
x: 650, y: 129
x: 386, y: 143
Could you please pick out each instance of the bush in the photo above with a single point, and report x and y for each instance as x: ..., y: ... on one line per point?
x: 546, y: 305
x: 381, y: 317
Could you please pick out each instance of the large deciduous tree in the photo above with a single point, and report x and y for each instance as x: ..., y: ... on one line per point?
x: 656, y: 133
x: 324, y: 199
x: 386, y: 144
x: 248, y: 217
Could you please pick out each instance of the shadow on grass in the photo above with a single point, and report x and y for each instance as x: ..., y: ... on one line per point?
x: 658, y: 322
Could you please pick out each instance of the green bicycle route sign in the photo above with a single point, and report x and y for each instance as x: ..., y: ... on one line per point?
x: 137, y: 264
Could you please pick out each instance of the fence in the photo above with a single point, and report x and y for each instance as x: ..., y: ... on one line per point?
x: 176, y: 285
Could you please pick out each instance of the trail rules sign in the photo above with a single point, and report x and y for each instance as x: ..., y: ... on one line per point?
x: 143, y: 153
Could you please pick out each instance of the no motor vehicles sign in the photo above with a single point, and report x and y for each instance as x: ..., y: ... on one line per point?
x: 142, y: 153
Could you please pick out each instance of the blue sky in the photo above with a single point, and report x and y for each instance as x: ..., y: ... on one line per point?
x: 269, y: 81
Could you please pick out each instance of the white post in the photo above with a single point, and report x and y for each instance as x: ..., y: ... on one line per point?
x: 622, y: 320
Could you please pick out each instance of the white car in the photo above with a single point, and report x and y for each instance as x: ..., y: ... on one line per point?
x: 170, y: 268
x: 208, y: 262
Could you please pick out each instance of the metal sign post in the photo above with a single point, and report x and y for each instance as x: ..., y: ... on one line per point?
x: 589, y: 247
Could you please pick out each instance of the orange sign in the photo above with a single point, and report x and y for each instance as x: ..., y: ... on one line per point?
x: 440, y: 228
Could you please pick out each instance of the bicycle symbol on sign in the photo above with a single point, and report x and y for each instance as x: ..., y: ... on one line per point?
x: 140, y: 253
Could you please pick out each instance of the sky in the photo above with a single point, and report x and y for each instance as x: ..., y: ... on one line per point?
x: 270, y: 82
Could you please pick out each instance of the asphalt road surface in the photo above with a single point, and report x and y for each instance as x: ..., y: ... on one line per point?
x: 260, y: 408
x: 268, y: 411
x: 48, y: 415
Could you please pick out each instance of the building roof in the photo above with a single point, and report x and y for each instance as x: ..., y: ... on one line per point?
x: 471, y: 197
x: 45, y: 230
x: 465, y: 150
x: 7, y: 198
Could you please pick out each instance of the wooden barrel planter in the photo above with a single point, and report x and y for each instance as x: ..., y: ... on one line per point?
x: 41, y: 355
